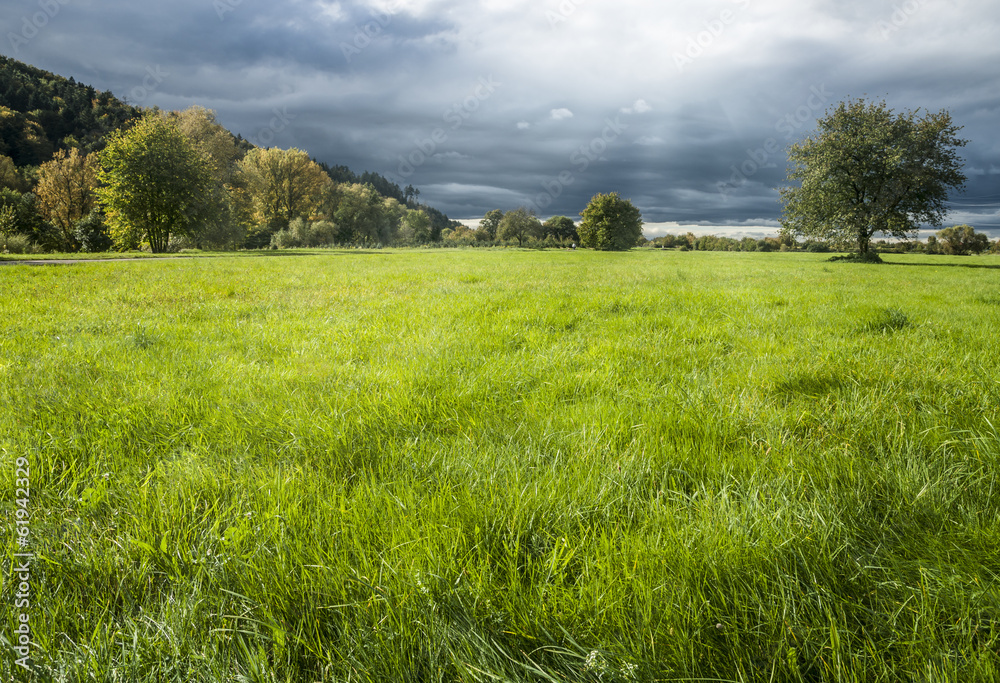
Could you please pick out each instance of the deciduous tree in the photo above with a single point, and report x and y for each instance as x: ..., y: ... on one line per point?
x: 222, y: 228
x: 963, y: 239
x: 65, y: 191
x: 281, y: 184
x: 519, y: 224
x: 561, y: 228
x: 9, y: 177
x: 360, y: 214
x: 490, y: 224
x: 867, y: 170
x: 610, y: 223
x: 416, y: 227
x: 154, y: 184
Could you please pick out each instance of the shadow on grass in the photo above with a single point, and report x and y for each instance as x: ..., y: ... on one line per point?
x: 944, y: 265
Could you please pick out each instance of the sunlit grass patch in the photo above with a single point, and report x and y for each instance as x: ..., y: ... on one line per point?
x: 502, y: 465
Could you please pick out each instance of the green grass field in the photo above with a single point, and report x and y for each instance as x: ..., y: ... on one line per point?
x: 505, y: 466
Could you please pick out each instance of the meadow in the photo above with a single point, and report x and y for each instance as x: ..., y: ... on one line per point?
x: 505, y: 466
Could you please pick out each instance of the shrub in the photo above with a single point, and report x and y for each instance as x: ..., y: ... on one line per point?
x: 16, y: 244
x: 299, y: 230
x: 92, y: 233
x: 179, y: 243
x: 284, y: 239
x: 322, y: 234
x: 867, y: 257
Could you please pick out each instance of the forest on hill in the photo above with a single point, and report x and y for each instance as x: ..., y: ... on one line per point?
x: 53, y: 136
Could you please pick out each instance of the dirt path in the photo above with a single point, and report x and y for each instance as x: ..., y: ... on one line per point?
x: 70, y: 261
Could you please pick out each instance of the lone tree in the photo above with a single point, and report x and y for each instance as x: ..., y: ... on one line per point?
x: 869, y: 171
x: 154, y: 184
x: 610, y: 223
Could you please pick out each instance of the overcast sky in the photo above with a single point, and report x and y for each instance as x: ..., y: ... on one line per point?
x: 683, y: 106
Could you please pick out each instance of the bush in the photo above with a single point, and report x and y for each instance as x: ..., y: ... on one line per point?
x: 17, y: 244
x: 867, y: 257
x: 301, y: 234
x: 284, y: 239
x: 322, y: 234
x: 259, y: 238
x: 179, y: 243
x: 817, y: 247
x: 92, y: 233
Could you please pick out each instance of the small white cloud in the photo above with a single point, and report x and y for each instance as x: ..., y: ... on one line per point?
x: 523, y: 125
x: 560, y: 114
x: 331, y: 11
x: 647, y: 141
x: 640, y: 107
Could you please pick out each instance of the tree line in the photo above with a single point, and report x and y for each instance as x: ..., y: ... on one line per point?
x: 609, y: 223
x: 958, y: 240
x: 175, y: 180
x: 82, y: 171
x: 42, y: 113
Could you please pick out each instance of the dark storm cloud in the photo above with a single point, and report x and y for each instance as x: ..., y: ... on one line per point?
x: 686, y: 107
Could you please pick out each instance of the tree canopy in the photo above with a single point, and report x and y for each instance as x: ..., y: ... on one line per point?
x: 363, y: 215
x: 65, y: 191
x: 282, y: 184
x: 610, y: 223
x: 43, y: 113
x: 519, y: 224
x: 49, y: 125
x: 416, y: 227
x: 560, y: 228
x: 962, y: 240
x: 153, y: 183
x: 490, y: 224
x: 867, y: 170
